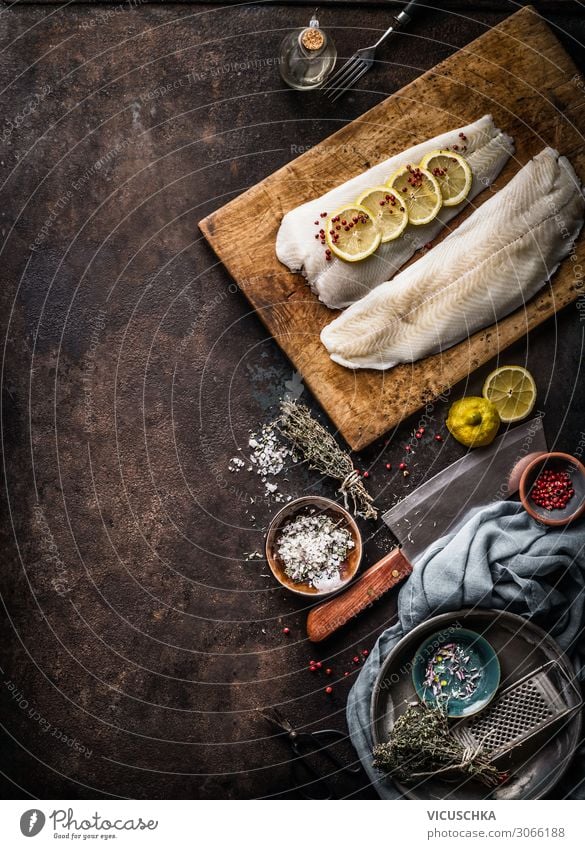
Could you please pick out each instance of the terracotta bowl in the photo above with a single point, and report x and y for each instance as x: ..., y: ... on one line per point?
x: 304, y: 505
x: 555, y: 461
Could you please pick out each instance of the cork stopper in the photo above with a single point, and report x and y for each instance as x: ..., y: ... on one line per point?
x: 312, y: 39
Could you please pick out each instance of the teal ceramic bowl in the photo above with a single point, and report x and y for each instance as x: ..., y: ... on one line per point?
x: 460, y: 671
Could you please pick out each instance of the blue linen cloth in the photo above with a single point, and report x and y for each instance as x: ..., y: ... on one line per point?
x: 500, y: 558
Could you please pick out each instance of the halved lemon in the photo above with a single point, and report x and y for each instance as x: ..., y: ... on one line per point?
x: 351, y: 233
x: 512, y: 390
x: 452, y: 173
x: 419, y: 192
x: 386, y: 210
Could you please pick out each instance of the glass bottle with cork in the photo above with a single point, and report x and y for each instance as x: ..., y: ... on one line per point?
x: 307, y: 56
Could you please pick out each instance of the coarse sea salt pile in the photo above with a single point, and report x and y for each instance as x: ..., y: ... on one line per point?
x: 268, y: 456
x: 313, y: 548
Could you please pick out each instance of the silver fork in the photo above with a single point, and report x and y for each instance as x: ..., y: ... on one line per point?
x: 362, y: 60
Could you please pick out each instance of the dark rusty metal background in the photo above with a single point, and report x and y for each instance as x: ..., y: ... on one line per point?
x: 137, y: 641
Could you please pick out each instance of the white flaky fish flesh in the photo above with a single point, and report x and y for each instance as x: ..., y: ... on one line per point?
x: 489, y: 266
x: 338, y: 283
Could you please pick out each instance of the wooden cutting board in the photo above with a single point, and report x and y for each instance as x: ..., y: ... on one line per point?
x: 519, y: 72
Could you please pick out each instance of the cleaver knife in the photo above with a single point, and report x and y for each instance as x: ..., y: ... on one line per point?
x: 435, y: 508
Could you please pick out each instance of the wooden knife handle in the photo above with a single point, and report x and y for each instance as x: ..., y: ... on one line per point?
x: 325, y: 619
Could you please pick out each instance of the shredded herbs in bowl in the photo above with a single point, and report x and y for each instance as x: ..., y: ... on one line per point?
x: 460, y: 675
x: 313, y: 546
x: 450, y: 672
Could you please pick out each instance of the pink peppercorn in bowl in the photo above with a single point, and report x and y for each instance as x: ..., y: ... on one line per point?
x: 313, y: 506
x: 552, y: 489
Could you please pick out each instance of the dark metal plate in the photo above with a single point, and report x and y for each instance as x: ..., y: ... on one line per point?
x: 521, y: 647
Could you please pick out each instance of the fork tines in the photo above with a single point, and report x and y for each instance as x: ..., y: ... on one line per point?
x: 346, y: 77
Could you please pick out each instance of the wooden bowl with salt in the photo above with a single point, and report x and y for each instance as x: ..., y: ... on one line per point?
x: 316, y: 506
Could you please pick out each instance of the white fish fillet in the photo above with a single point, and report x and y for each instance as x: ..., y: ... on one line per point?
x: 340, y: 283
x: 489, y: 266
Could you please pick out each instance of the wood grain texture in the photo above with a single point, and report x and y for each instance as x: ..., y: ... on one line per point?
x: 519, y: 72
x: 325, y: 619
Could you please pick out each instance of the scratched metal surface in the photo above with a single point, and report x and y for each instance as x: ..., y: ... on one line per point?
x: 137, y: 642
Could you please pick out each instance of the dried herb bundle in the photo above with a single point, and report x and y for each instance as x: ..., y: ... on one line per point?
x: 420, y: 746
x: 320, y: 450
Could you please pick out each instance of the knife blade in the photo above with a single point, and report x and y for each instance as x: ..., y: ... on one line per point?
x: 483, y: 476
x: 436, y: 507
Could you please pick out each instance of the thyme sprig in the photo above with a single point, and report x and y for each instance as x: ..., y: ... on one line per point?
x: 322, y: 453
x: 422, y: 746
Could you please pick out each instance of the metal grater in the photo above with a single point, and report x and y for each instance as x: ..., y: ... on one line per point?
x: 519, y: 712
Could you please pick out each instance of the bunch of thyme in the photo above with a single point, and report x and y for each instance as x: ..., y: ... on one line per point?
x: 421, y: 746
x: 320, y: 450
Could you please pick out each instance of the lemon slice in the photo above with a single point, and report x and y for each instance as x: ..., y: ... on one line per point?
x: 512, y: 390
x: 419, y: 192
x: 351, y: 233
x: 386, y: 210
x: 452, y: 173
